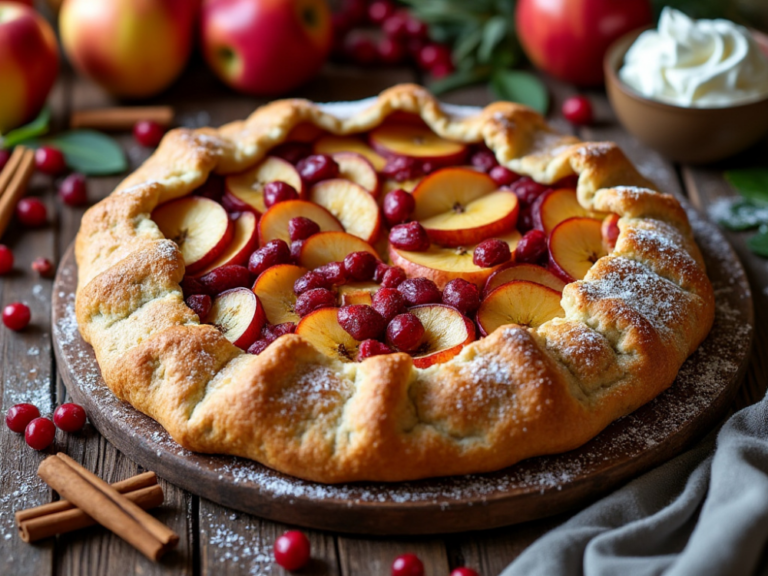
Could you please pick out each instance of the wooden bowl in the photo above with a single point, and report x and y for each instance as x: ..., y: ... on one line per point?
x: 694, y: 135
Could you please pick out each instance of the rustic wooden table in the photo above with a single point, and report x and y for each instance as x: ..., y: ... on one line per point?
x: 214, y: 539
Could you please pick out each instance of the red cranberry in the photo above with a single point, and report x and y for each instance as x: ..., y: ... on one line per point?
x: 5, y: 155
x: 360, y: 265
x: 407, y: 565
x: 31, y: 212
x: 390, y: 51
x: 274, y: 331
x: 531, y: 247
x: 401, y: 168
x: 225, y: 278
x: 333, y: 272
x: 16, y: 316
x: 313, y: 299
x: 301, y: 228
x: 464, y: 571
x: 570, y: 182
x: 317, y: 167
x: 433, y: 54
x: 394, y: 26
x: 200, y: 304
x: 310, y: 281
x: 380, y: 10
x: 49, y: 160
x: 361, y: 322
x: 73, y: 190
x: 292, y: 151
x: 491, y: 252
x: 503, y: 176
x: 148, y: 133
x: 20, y: 415
x: 405, y: 332
x: 259, y: 346
x: 278, y: 191
x: 360, y: 49
x: 410, y: 236
x: 462, y: 295
x: 441, y: 70
x: 296, y: 250
x: 39, y: 433
x: 578, y: 110
x: 6, y: 259
x: 381, y: 269
x: 415, y: 28
x: 398, y: 206
x: 272, y: 253
x: 527, y: 190
x: 388, y: 302
x: 393, y: 277
x: 43, y: 266
x: 525, y: 220
x: 484, y: 160
x: 292, y: 550
x: 190, y: 286
x: 69, y: 417
x: 213, y: 188
x: 420, y: 291
x: 370, y: 348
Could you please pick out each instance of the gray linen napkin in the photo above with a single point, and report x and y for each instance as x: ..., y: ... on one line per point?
x: 703, y: 513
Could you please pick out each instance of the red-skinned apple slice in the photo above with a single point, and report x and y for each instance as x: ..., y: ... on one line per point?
x: 274, y: 223
x: 523, y: 271
x: 357, y: 293
x: 446, y: 332
x: 274, y: 288
x: 416, y: 142
x: 333, y: 144
x: 327, y: 247
x: 321, y: 328
x: 246, y: 191
x: 610, y: 231
x: 199, y: 226
x: 574, y: 246
x: 518, y: 302
x: 351, y: 204
x: 244, y: 241
x: 408, y: 185
x: 557, y: 206
x: 356, y: 168
x: 239, y: 315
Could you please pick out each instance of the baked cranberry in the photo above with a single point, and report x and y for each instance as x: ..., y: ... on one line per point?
x: 200, y: 304
x: 420, y: 291
x: 491, y: 252
x: 333, y: 272
x: 525, y: 219
x: 381, y: 269
x: 388, y: 302
x: 531, y: 247
x: 292, y: 151
x: 259, y: 346
x: 578, y: 110
x: 393, y: 277
x: 433, y: 54
x: 390, y: 51
x: 401, y: 168
x: 370, y: 348
x: 49, y: 160
x: 398, y: 206
x: 462, y: 295
x: 190, y: 286
x: 405, y: 332
x: 31, y: 212
x: 6, y: 259
x: 310, y: 281
x: 407, y: 565
x: 360, y: 265
x: 464, y: 571
x: 313, y: 299
x: 380, y: 10
x: 503, y: 176
x: 5, y: 155
x: 69, y: 417
x: 296, y: 250
x: 272, y: 253
x: 484, y: 160
x: 410, y: 236
x: 39, y: 433
x: 292, y: 550
x: 527, y: 190
x: 361, y: 322
x: 394, y: 26
x: 16, y: 316
x: 225, y: 278
x: 73, y: 190
x: 317, y: 167
x: 148, y: 133
x: 43, y: 266
x: 274, y: 331
x: 301, y: 228
x: 20, y: 415
x: 278, y: 191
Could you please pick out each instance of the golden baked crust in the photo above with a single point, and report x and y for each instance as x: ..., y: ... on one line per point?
x: 628, y: 326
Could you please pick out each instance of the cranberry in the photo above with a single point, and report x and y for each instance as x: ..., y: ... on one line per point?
x: 225, y: 278
x: 578, y: 110
x: 380, y: 10
x: 317, y: 167
x: 420, y: 291
x: 462, y: 295
x: 401, y: 168
x: 213, y: 188
x: 441, y: 70
x: 491, y: 252
x: 361, y: 322
x: 405, y: 332
x: 355, y: 11
x: 200, y: 304
x: 49, y: 160
x: 525, y: 220
x: 390, y: 51
x: 432, y: 55
x: 43, y: 266
x: 484, y: 160
x: 313, y: 299
x: 464, y: 571
x: 278, y: 191
x: 410, y: 236
x: 398, y: 206
x: 190, y: 286
x: 570, y: 182
x: 148, y: 133
x: 39, y: 433
x: 73, y: 190
x: 370, y: 348
x: 20, y: 415
x: 381, y: 269
x: 528, y: 190
x: 274, y: 331
x: 6, y: 259
x: 388, y: 302
x: 503, y: 176
x: 259, y: 346
x: 310, y: 281
x: 292, y: 151
x: 69, y: 417
x: 272, y: 253
x: 360, y: 49
x: 5, y: 155
x: 531, y: 247
x: 296, y: 250
x: 407, y: 565
x: 415, y: 28
x: 360, y: 265
x: 394, y: 26
x: 301, y: 228
x: 292, y: 550
x: 16, y: 316
x: 333, y: 272
x: 393, y: 277
x: 31, y: 212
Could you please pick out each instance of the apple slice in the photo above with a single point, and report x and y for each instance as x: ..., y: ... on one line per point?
x: 200, y: 227
x: 446, y: 332
x: 321, y: 328
x: 355, y: 168
x: 442, y: 190
x: 441, y: 265
x: 610, y: 231
x: 518, y: 302
x: 355, y: 208
x: 390, y: 184
x: 274, y: 288
x: 274, y: 223
x: 523, y: 271
x: 574, y: 246
x: 358, y: 293
x: 332, y: 144
x: 418, y: 142
x: 246, y: 191
x: 327, y: 247
x: 239, y: 315
x: 244, y: 241
x: 556, y: 206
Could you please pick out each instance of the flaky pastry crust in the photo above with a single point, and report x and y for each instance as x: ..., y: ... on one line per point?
x: 628, y: 326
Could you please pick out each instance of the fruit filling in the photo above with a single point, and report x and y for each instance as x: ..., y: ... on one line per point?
x: 393, y: 241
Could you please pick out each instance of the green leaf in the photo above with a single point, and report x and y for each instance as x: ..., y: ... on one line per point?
x: 743, y: 214
x: 522, y: 87
x: 468, y: 41
x: 37, y: 127
x: 494, y: 32
x: 459, y: 79
x: 759, y: 242
x: 90, y: 152
x: 751, y: 183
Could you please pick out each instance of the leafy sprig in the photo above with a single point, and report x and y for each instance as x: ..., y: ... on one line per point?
x: 750, y: 211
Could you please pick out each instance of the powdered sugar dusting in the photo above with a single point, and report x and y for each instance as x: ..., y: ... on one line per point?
x: 248, y: 549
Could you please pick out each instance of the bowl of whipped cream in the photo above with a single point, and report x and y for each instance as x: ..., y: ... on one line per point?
x: 695, y: 90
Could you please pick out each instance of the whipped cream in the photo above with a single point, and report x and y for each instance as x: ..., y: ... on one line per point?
x: 696, y: 64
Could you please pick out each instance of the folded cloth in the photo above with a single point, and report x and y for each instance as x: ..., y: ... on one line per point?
x: 705, y: 513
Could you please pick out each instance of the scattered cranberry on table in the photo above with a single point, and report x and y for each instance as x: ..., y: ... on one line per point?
x: 73, y: 190
x: 69, y: 417
x: 39, y: 433
x: 292, y: 550
x: 490, y: 253
x: 49, y: 160
x: 578, y: 110
x: 148, y: 133
x: 464, y: 571
x: 31, y: 212
x: 6, y: 259
x: 20, y: 415
x: 407, y: 565
x: 43, y: 266
x: 16, y: 316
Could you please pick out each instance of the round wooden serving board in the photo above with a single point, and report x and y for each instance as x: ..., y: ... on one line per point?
x: 539, y: 487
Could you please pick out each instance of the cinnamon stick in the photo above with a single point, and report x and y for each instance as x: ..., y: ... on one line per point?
x: 122, y: 118
x: 13, y: 182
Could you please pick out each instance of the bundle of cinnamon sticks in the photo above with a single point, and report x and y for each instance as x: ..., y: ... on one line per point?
x: 13, y: 182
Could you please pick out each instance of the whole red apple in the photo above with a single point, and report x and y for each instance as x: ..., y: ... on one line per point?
x: 265, y: 47
x: 29, y: 63
x: 568, y: 38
